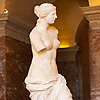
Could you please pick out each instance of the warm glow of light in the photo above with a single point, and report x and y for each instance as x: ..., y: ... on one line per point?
x: 64, y: 46
x: 94, y: 2
x: 5, y: 11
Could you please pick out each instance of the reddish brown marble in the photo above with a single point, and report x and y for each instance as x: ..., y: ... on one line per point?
x: 68, y: 67
x: 15, y: 58
x: 69, y: 71
x: 2, y: 69
x: 18, y: 58
x: 94, y: 54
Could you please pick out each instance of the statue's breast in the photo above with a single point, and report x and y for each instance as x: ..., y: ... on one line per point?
x: 53, y: 32
x: 56, y: 43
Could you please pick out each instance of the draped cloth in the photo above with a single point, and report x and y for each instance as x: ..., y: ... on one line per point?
x: 55, y: 89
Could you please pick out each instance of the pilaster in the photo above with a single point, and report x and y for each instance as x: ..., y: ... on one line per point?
x: 92, y: 14
x: 15, y: 57
x: 68, y: 66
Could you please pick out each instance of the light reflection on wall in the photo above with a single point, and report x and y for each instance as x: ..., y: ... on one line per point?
x: 94, y: 2
x: 5, y: 11
x: 64, y: 46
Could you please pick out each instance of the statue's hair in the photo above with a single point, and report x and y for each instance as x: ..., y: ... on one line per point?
x: 44, y: 9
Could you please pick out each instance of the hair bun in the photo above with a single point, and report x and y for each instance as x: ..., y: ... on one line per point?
x: 44, y: 9
x: 36, y: 10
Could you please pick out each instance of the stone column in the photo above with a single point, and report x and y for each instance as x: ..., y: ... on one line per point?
x: 67, y: 66
x: 92, y: 14
x: 15, y: 57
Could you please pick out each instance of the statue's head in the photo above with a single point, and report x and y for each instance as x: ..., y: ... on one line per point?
x: 47, y: 11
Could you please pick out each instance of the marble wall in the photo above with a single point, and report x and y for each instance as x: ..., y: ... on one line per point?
x: 2, y: 6
x: 69, y: 71
x: 92, y: 14
x: 68, y: 67
x: 2, y: 69
x: 18, y: 59
x: 94, y: 53
x: 15, y: 59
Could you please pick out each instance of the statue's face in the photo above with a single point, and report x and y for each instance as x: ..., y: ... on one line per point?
x: 50, y: 18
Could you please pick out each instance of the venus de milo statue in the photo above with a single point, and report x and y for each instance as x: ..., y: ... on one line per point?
x: 43, y: 80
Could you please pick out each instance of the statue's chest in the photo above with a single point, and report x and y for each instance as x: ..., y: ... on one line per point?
x: 55, y: 42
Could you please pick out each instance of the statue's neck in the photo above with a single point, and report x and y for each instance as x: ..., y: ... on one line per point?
x: 42, y: 25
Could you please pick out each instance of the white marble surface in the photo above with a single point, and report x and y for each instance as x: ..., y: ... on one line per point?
x: 43, y: 80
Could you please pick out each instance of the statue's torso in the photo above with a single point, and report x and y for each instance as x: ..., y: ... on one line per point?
x: 43, y: 66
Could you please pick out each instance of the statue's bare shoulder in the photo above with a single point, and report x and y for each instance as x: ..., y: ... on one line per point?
x: 34, y: 33
x: 35, y: 39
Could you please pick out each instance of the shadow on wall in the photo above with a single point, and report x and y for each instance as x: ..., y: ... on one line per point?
x: 82, y: 41
x: 83, y: 3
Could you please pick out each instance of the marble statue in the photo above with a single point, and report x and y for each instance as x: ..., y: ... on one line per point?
x: 43, y: 81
